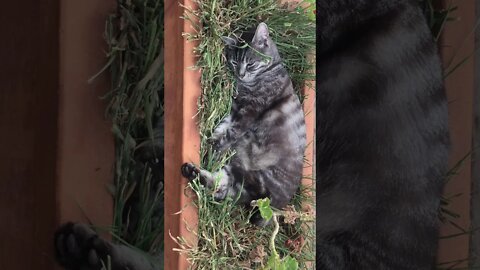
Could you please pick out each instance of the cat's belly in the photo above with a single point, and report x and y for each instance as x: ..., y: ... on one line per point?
x: 243, y: 156
x: 276, y: 168
x: 260, y: 150
x: 253, y: 154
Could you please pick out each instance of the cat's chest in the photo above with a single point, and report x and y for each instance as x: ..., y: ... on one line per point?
x: 254, y: 138
x: 250, y: 147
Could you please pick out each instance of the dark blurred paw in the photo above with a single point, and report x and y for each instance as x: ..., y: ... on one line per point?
x: 189, y: 171
x: 257, y: 220
x: 77, y: 247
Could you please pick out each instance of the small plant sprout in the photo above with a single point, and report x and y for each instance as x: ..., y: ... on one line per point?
x: 268, y: 213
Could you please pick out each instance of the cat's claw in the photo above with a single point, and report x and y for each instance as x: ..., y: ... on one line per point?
x: 79, y: 247
x: 189, y: 171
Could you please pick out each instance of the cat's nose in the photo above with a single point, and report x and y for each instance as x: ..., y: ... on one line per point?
x: 241, y: 72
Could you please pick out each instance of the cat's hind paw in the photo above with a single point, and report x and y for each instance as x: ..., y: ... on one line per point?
x: 77, y: 247
x: 189, y: 171
x: 257, y: 220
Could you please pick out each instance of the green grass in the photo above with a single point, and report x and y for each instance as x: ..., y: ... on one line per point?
x: 134, y: 35
x: 225, y: 238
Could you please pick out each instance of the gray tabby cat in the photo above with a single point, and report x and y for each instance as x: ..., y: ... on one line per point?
x: 266, y: 128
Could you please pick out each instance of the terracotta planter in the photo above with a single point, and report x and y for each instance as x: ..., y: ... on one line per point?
x: 56, y: 145
x: 182, y: 141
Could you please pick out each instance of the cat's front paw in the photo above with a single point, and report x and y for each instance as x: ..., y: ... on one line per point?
x: 218, y: 143
x: 77, y: 246
x: 189, y: 171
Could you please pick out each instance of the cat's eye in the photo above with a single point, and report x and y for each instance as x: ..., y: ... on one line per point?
x: 233, y: 62
x: 250, y: 65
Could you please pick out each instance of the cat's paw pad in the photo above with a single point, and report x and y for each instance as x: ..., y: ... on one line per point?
x: 77, y: 246
x: 189, y: 171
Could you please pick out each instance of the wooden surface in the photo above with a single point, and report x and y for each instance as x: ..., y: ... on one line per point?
x: 310, y: 153
x: 457, y: 43
x: 86, y: 151
x: 475, y: 238
x: 28, y: 132
x: 182, y: 141
x: 57, y: 151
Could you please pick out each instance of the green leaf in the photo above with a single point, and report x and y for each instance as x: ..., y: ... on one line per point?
x: 311, y: 10
x: 274, y: 262
x: 290, y: 263
x: 265, y: 210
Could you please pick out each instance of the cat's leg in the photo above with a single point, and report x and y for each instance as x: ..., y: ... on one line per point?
x: 226, y: 183
x: 220, y: 137
x: 230, y: 130
x: 223, y: 181
x: 78, y: 247
x: 220, y: 180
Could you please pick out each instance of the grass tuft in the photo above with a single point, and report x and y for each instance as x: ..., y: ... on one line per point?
x: 134, y: 35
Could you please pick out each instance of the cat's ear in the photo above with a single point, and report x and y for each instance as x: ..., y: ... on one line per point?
x: 229, y: 41
x: 261, y: 37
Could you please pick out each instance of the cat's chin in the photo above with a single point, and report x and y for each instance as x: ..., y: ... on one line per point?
x: 244, y: 81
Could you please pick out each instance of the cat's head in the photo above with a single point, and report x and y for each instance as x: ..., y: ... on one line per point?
x: 248, y: 56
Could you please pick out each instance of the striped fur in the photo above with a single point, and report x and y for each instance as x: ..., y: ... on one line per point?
x: 383, y: 140
x: 266, y: 127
